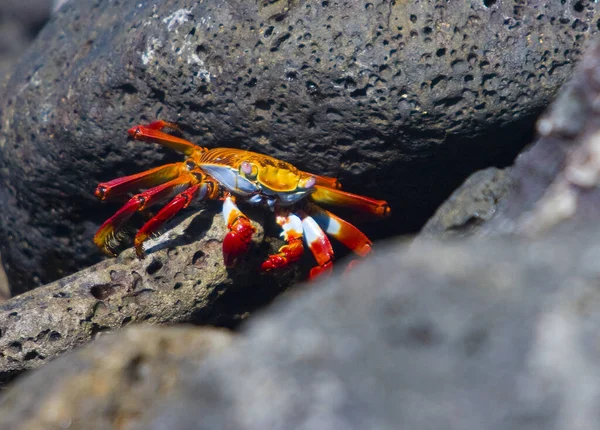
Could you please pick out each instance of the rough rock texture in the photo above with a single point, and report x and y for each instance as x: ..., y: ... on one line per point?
x: 557, y: 180
x: 553, y: 184
x: 113, y: 383
x: 467, y: 335
x: 181, y: 280
x: 20, y: 20
x: 473, y: 204
x: 380, y: 93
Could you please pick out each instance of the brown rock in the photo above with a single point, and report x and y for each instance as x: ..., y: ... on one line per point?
x: 109, y: 384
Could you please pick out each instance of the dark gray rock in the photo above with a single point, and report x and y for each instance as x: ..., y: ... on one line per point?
x: 20, y: 21
x: 399, y: 99
x: 553, y: 183
x: 473, y: 204
x: 556, y: 180
x: 463, y: 335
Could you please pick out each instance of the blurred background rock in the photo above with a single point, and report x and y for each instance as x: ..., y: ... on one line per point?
x: 20, y: 22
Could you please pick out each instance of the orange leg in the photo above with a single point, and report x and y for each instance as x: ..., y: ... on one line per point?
x: 293, y: 249
x: 237, y: 242
x: 327, y: 181
x: 105, y: 237
x: 152, y: 133
x: 319, y: 245
x: 335, y: 197
x: 206, y: 190
x: 346, y: 233
x: 149, y: 178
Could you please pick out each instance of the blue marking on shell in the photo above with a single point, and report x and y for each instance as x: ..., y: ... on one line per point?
x: 230, y: 179
x: 256, y: 199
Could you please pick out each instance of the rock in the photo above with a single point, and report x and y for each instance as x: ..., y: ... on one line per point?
x: 557, y: 179
x: 57, y: 4
x: 180, y: 280
x: 4, y: 288
x: 20, y: 21
x: 474, y: 203
x: 460, y: 335
x: 394, y: 98
x: 463, y: 336
x: 112, y: 383
x: 553, y: 184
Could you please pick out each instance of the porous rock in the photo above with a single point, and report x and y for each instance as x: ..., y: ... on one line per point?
x: 460, y: 335
x: 182, y: 279
x: 553, y: 184
x: 19, y: 23
x: 557, y: 180
x: 111, y: 384
x: 393, y: 97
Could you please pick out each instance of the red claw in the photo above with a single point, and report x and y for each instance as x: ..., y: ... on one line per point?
x: 321, y: 272
x: 287, y: 254
x: 237, y: 242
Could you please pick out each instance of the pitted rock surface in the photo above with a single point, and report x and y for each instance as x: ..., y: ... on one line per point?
x: 552, y: 185
x: 399, y: 100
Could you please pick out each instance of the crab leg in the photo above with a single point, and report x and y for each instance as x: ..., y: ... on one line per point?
x: 152, y: 133
x: 147, y: 179
x: 319, y: 245
x: 346, y: 233
x: 335, y: 197
x: 105, y: 236
x: 237, y: 242
x: 294, y: 230
x: 326, y: 181
x: 292, y: 234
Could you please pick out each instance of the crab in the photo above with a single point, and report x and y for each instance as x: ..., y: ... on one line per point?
x: 235, y: 175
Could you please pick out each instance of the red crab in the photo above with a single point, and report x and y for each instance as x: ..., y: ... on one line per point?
x: 232, y: 175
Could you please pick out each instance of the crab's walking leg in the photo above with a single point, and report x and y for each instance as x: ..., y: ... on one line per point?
x: 149, y: 178
x: 337, y: 197
x: 105, y: 236
x: 346, y: 233
x: 292, y: 234
x: 327, y: 181
x: 237, y: 242
x: 295, y: 229
x: 319, y: 245
x: 206, y: 190
x: 152, y: 133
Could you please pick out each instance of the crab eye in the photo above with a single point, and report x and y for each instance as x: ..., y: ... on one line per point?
x: 310, y: 182
x: 248, y: 170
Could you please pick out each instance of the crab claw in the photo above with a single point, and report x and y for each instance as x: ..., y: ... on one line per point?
x: 293, y: 249
x: 286, y: 255
x: 237, y: 242
x: 321, y: 272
